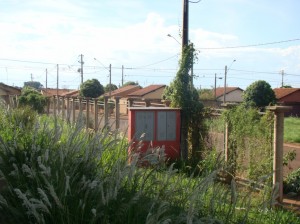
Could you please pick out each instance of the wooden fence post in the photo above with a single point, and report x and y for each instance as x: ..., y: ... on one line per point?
x: 63, y: 107
x: 73, y: 109
x: 96, y: 114
x: 87, y: 111
x: 106, y: 111
x: 68, y: 109
x: 117, y: 111
x: 278, y: 148
x: 54, y: 106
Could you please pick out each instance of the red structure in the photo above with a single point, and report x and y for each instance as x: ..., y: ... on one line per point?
x: 160, y: 127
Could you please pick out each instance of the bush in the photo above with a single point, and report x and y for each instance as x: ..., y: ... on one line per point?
x: 54, y: 173
x: 292, y: 183
x: 32, y: 98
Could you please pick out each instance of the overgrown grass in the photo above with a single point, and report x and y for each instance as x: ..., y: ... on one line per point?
x: 52, y: 172
x: 292, y: 129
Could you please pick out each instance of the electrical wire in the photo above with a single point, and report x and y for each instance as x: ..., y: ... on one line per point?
x: 249, y: 45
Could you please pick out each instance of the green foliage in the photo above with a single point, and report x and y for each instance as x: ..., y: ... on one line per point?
x: 291, y: 184
x: 54, y: 173
x: 130, y: 83
x: 259, y: 94
x: 32, y: 98
x: 206, y: 94
x: 249, y: 141
x: 182, y: 94
x: 91, y: 88
x: 33, y: 84
x: 110, y: 87
x: 292, y: 129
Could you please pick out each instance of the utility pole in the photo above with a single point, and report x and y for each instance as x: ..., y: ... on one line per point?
x: 224, y: 96
x: 122, y: 75
x: 81, y: 69
x: 46, y: 79
x: 31, y: 77
x: 109, y: 80
x: 185, y: 24
x: 215, y: 86
x: 57, y: 69
x: 282, y: 74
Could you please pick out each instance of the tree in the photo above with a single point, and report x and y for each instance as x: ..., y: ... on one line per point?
x: 91, y: 88
x: 33, y: 84
x: 259, y: 94
x: 130, y: 83
x: 112, y: 87
x: 206, y: 94
x: 31, y: 97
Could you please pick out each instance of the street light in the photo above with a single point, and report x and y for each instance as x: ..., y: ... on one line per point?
x: 226, y: 70
x: 169, y: 35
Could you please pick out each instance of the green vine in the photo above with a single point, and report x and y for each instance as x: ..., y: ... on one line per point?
x: 183, y: 94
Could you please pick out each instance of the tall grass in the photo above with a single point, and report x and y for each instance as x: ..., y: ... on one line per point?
x: 292, y: 129
x: 52, y: 172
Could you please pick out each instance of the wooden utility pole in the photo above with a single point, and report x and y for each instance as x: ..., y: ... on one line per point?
x: 46, y: 79
x: 282, y: 74
x: 109, y: 80
x: 57, y: 74
x: 81, y: 68
x: 184, y: 124
x: 185, y: 24
x: 122, y: 75
x: 225, y: 84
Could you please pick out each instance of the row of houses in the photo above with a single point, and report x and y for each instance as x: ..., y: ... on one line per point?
x: 153, y: 93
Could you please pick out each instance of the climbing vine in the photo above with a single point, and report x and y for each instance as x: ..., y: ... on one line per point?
x: 183, y: 94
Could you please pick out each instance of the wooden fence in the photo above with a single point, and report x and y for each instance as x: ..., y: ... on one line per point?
x: 96, y: 113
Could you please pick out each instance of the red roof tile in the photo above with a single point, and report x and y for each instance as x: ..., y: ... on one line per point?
x: 220, y: 90
x: 146, y: 90
x: 283, y: 92
x: 124, y: 91
x: 54, y: 92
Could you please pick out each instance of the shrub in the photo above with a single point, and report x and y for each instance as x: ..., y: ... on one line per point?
x: 32, y: 98
x: 292, y: 183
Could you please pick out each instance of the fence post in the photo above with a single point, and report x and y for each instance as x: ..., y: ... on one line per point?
x: 68, y: 109
x: 87, y: 111
x: 130, y: 104
x: 96, y: 114
x: 73, y: 110
x: 147, y: 103
x: 48, y: 105
x: 117, y: 111
x: 105, y: 111
x: 63, y: 107
x: 54, y: 107
x: 278, y: 148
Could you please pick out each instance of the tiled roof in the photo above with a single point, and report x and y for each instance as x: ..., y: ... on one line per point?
x: 146, y: 90
x: 283, y: 92
x: 124, y: 91
x: 10, y: 89
x: 71, y: 93
x: 54, y: 92
x: 220, y: 90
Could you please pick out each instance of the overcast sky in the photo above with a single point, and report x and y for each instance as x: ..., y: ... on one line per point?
x: 39, y: 34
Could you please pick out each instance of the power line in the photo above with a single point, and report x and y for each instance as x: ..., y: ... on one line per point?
x: 156, y: 62
x: 249, y: 45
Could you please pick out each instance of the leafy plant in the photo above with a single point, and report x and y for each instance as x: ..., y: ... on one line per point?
x: 259, y: 94
x: 91, y: 88
x: 33, y: 98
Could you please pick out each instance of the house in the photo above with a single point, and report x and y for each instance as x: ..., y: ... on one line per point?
x: 289, y: 97
x: 54, y: 92
x: 122, y: 93
x: 152, y: 92
x: 233, y: 94
x: 6, y: 91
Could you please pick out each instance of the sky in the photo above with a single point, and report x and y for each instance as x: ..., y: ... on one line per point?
x: 262, y: 36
